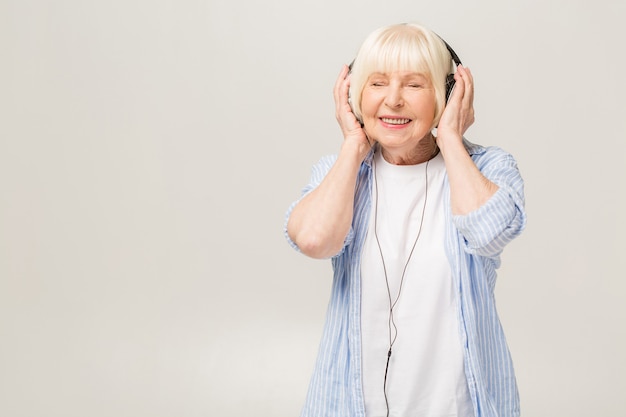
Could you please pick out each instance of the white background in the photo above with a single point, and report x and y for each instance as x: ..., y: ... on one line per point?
x: 149, y: 149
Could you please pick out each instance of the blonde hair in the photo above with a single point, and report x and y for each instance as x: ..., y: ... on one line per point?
x: 402, y: 47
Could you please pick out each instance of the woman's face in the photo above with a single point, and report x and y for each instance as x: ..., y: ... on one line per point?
x: 398, y: 110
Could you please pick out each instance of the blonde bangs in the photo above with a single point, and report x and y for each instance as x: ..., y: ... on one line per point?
x: 397, y: 52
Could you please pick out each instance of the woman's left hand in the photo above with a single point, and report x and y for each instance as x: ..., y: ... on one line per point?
x: 458, y: 115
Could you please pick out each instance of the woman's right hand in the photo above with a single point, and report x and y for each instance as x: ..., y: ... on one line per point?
x: 353, y: 132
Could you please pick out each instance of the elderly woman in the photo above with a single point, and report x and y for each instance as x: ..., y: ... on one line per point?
x: 414, y: 218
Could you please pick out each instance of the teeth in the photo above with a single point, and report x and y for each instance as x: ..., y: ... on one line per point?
x: 395, y: 121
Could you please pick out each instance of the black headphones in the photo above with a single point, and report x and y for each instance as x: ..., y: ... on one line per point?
x: 450, y: 78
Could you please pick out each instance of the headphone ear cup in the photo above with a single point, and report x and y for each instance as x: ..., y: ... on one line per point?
x: 449, y: 86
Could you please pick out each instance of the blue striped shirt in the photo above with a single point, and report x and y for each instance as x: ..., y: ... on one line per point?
x: 474, y: 243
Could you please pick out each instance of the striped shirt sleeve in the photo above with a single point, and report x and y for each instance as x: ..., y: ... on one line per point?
x: 491, y: 227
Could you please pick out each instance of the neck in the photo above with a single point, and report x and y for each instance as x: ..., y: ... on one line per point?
x: 425, y: 150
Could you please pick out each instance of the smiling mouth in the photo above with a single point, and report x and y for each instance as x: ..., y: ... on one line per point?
x: 394, y: 121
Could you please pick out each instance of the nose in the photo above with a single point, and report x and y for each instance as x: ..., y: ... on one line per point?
x: 394, y: 97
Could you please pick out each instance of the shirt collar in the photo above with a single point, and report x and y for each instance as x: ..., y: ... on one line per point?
x: 370, y: 155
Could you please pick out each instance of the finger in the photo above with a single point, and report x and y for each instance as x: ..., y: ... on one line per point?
x: 464, y: 76
x: 469, y: 86
x: 343, y: 110
x: 459, y: 88
x: 341, y: 79
x: 468, y: 98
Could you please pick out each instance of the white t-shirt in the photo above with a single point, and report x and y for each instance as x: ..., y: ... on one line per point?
x: 426, y: 375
